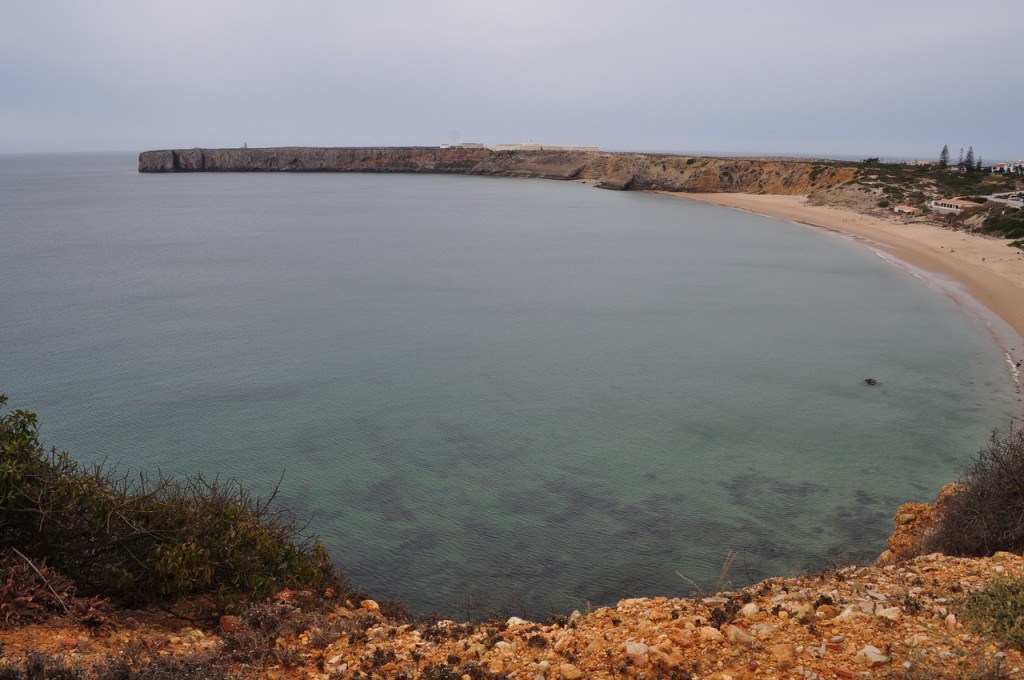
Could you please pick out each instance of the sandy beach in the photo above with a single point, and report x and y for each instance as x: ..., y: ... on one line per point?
x: 969, y: 268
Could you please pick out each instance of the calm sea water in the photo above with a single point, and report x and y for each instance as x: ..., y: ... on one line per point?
x: 490, y: 394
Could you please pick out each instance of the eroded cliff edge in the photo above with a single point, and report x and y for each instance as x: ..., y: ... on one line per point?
x: 640, y: 171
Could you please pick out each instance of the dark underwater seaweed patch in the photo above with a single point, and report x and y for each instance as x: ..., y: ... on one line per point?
x: 386, y: 498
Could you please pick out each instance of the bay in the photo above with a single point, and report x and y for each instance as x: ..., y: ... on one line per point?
x: 491, y: 395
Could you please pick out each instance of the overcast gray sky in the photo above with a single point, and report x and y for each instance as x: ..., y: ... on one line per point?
x: 893, y: 78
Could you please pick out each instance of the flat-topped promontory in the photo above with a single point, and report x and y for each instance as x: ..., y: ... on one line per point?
x: 609, y: 170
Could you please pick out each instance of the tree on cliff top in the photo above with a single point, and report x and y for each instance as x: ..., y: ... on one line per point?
x: 944, y: 156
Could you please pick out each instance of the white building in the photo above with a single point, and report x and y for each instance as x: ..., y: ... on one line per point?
x: 952, y: 205
x: 533, y: 146
x: 1008, y: 167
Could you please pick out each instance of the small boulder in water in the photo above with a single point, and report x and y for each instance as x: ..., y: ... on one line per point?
x: 870, y: 381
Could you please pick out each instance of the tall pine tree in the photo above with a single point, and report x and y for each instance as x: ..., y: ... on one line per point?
x: 944, y: 156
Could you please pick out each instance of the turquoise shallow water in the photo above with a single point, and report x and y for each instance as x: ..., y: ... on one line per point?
x: 491, y: 394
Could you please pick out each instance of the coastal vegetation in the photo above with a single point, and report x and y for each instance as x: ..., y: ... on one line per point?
x: 986, y: 515
x: 893, y: 184
x: 140, y: 540
x: 1003, y: 220
x: 915, y: 183
x: 998, y: 610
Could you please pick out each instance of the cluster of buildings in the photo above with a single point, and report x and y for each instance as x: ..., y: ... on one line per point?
x: 944, y: 206
x: 1017, y: 167
x: 1000, y: 168
x: 956, y: 206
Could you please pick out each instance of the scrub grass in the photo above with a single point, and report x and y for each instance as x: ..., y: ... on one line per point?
x: 997, y: 610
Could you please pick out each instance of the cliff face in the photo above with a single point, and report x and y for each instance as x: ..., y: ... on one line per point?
x: 313, y: 159
x: 608, y: 170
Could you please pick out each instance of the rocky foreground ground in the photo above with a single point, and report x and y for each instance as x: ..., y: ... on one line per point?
x: 899, y: 618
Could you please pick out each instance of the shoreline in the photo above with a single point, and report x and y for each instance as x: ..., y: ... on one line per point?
x: 981, y: 274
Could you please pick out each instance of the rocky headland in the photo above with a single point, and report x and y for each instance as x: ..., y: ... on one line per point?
x: 638, y: 171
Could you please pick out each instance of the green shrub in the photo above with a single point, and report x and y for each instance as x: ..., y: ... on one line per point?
x: 987, y: 515
x: 1005, y: 221
x: 144, y: 540
x: 998, y: 610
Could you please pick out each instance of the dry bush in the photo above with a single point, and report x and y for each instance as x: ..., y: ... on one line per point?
x: 29, y: 591
x: 987, y: 515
